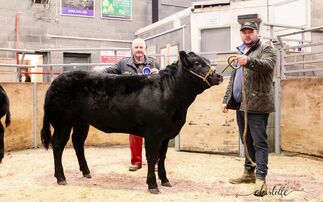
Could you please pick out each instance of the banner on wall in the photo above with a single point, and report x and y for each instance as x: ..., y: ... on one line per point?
x: 111, y: 56
x: 83, y: 8
x: 116, y: 9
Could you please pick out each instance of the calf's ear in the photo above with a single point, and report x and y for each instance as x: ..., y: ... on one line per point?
x: 182, y: 54
x: 183, y: 58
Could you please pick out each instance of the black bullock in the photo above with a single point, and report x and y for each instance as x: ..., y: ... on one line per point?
x: 4, y: 110
x: 152, y: 106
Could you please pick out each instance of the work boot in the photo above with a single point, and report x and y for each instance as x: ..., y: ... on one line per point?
x: 260, y: 188
x: 247, y: 177
x: 134, y: 167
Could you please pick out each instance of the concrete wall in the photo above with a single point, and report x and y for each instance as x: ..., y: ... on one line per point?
x: 36, y: 22
x: 43, y: 27
x: 316, y: 13
x: 169, y: 7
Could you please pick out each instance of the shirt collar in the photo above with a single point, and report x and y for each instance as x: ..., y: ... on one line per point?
x: 243, y: 46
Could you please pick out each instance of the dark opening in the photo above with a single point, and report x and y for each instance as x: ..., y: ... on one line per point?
x: 155, y: 10
x: 40, y: 1
x: 77, y: 58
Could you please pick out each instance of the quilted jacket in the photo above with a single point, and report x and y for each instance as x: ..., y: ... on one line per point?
x: 259, y: 72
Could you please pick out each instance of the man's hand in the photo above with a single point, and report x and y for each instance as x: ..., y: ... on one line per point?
x: 224, y: 108
x: 242, y: 59
x: 154, y: 71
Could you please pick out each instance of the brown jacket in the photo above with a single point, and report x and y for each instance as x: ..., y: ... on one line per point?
x: 259, y: 74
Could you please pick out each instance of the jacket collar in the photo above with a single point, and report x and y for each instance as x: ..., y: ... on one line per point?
x: 132, y: 62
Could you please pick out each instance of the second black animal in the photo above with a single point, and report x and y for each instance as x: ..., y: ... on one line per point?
x: 4, y: 111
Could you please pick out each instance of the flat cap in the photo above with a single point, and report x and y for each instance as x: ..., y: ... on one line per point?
x: 249, y: 25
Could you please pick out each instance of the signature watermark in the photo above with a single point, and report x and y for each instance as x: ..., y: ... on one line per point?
x: 278, y: 190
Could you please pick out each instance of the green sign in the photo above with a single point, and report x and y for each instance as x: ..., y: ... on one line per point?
x: 117, y: 9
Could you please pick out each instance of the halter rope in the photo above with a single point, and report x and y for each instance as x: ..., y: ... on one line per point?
x: 211, y: 71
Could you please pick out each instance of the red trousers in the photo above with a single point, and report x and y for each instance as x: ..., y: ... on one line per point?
x: 135, y: 143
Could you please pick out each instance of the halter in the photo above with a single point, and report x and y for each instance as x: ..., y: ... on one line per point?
x: 211, y: 71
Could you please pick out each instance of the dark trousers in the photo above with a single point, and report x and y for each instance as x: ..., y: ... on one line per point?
x: 256, y: 140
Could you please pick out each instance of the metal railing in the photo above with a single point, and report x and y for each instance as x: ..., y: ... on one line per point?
x: 216, y: 57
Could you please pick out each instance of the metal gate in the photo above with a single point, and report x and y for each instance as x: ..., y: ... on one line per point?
x: 299, y: 97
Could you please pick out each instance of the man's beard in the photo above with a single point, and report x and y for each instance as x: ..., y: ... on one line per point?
x: 249, y: 44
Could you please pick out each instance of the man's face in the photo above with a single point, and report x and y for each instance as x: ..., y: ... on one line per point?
x: 138, y: 49
x: 248, y: 36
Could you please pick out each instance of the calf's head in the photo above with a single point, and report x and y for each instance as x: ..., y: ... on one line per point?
x: 200, y: 67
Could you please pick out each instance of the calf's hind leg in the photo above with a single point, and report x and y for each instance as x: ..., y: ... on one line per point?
x: 161, y: 164
x: 59, y: 140
x: 80, y: 131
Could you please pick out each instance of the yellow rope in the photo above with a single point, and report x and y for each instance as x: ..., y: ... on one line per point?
x: 244, y: 136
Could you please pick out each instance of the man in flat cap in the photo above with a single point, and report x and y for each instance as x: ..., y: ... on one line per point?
x: 258, y: 61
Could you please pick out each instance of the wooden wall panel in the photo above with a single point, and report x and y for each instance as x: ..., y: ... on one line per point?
x: 20, y: 134
x: 207, y: 128
x: 302, y: 115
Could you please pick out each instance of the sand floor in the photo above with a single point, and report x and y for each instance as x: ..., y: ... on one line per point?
x: 28, y: 176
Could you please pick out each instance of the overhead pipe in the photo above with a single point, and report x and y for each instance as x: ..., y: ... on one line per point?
x: 17, y: 43
x: 17, y: 37
x: 87, y: 38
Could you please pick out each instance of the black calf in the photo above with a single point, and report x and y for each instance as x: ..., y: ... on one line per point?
x: 152, y: 106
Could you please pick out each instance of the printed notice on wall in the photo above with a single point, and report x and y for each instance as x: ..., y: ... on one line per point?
x: 84, y: 8
x: 116, y: 9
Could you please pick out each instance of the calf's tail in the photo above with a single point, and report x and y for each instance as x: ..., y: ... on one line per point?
x: 45, y: 132
x: 8, y: 118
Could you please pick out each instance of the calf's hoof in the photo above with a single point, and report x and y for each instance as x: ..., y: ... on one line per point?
x: 87, y: 176
x: 154, y: 190
x: 166, y: 184
x: 61, y: 182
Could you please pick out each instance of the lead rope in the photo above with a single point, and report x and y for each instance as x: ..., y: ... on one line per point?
x: 231, y: 60
x: 244, y: 136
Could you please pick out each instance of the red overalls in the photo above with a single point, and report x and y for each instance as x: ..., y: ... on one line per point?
x: 135, y: 143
